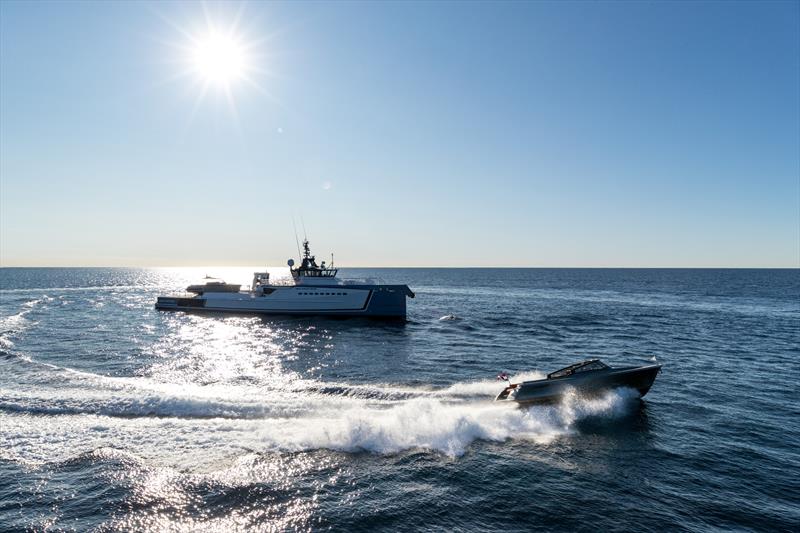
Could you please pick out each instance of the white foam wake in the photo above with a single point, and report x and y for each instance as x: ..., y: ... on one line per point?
x: 448, y: 428
x: 304, y: 423
x: 420, y: 423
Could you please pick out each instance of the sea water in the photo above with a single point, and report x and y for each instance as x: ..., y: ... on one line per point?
x: 114, y: 415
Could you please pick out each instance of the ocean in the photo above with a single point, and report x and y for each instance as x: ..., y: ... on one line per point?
x: 115, y: 416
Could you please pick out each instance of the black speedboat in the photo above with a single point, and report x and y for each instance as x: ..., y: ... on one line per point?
x: 587, y: 377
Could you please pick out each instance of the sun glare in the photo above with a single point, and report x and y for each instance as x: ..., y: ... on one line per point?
x: 219, y: 58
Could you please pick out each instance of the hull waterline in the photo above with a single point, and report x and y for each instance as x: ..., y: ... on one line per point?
x: 386, y: 302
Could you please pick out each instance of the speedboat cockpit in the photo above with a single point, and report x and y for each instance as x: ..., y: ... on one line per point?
x: 590, y: 365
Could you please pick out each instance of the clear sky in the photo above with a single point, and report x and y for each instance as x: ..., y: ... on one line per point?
x: 407, y: 134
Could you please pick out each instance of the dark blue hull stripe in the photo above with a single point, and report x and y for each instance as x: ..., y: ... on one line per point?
x: 332, y: 312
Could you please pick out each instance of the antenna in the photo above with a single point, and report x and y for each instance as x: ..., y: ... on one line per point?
x: 296, y: 240
x: 305, y: 237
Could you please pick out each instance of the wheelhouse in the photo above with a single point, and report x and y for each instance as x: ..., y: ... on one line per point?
x: 309, y: 268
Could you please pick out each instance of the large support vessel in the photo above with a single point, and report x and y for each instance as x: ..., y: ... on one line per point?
x: 313, y: 290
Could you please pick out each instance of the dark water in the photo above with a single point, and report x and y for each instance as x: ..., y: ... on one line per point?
x: 116, y: 416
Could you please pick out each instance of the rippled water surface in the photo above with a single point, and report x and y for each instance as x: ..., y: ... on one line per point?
x: 116, y: 416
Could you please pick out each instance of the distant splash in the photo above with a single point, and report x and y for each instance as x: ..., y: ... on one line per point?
x: 449, y: 318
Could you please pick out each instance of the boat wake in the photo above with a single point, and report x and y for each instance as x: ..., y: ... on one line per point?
x: 172, y: 423
x: 437, y: 425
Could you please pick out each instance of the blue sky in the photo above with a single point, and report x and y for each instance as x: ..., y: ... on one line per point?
x: 407, y: 134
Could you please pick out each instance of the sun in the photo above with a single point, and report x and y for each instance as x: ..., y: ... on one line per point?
x: 223, y: 56
x: 219, y: 58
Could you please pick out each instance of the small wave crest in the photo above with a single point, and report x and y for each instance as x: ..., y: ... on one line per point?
x: 135, y: 407
x: 92, y: 288
x: 15, y: 324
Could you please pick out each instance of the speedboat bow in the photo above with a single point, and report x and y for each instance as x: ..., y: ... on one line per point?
x: 587, y: 377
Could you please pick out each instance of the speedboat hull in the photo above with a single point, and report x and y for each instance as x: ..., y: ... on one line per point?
x: 590, y: 383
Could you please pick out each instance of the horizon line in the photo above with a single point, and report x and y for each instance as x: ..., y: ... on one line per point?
x: 435, y: 267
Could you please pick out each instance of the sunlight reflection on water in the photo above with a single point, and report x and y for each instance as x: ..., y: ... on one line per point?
x: 173, y: 421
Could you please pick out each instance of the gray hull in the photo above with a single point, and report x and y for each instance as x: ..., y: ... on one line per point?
x: 550, y: 390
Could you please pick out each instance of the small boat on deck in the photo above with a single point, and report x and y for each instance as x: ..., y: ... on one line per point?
x: 213, y: 285
x: 587, y: 377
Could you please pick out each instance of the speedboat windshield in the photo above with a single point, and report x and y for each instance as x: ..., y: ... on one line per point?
x: 585, y: 366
